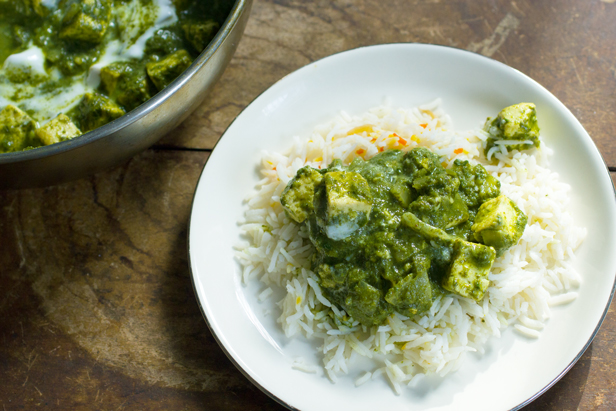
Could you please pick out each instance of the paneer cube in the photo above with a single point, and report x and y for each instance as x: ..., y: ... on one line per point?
x: 499, y: 223
x: 200, y: 33
x: 298, y: 196
x: 16, y: 129
x: 166, y: 70
x: 59, y: 129
x: 126, y: 83
x: 86, y: 20
x: 111, y: 75
x: 96, y: 110
x: 468, y: 273
x: 348, y: 204
x: 517, y: 122
x: 164, y: 42
x: 133, y: 18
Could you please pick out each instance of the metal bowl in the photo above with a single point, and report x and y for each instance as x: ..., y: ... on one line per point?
x: 121, y: 139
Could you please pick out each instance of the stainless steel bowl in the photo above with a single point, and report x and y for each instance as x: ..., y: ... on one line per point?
x: 119, y: 140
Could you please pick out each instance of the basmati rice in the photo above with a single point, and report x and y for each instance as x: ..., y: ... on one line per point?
x: 525, y: 281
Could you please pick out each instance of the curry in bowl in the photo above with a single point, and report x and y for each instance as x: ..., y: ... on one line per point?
x: 69, y: 67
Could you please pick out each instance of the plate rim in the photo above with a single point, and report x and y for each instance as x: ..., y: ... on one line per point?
x: 358, y: 49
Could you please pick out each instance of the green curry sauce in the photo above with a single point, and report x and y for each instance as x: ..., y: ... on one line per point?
x: 70, y: 66
x: 396, y: 231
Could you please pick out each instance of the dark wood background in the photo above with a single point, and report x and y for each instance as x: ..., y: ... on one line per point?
x: 97, y: 310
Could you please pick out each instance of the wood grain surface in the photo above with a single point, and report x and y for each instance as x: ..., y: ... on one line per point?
x: 97, y: 310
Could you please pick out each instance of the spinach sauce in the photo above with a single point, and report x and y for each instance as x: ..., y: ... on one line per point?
x: 396, y: 231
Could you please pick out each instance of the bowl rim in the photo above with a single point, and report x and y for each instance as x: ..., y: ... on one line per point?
x: 139, y: 112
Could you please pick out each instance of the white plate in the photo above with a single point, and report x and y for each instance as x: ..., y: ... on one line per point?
x: 514, y: 370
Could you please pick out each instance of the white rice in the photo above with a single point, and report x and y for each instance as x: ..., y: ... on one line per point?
x: 526, y: 280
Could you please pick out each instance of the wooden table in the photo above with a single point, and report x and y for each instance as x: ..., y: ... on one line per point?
x: 97, y: 311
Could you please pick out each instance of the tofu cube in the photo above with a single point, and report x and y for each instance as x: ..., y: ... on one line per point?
x: 468, y: 273
x: 166, y: 70
x: 499, y: 223
x: 298, y: 196
x: 348, y: 204
x: 16, y: 129
x: 59, y: 129
x: 96, y: 110
x: 86, y: 21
